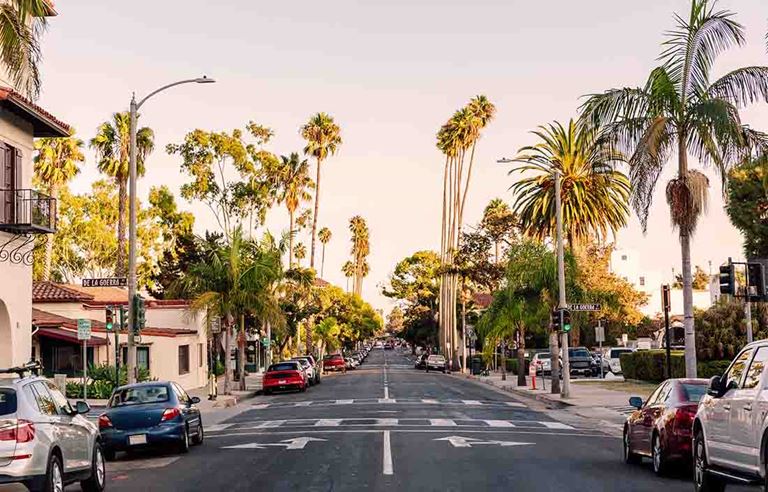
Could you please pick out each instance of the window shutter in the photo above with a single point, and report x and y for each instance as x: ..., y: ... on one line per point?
x: 17, y: 164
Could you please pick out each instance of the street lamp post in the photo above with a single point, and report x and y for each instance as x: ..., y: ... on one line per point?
x: 132, y: 218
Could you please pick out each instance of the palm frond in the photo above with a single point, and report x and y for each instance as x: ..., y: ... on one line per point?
x: 741, y: 87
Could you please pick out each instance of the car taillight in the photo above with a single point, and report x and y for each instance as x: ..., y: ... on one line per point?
x: 104, y: 422
x: 20, y: 431
x: 683, y: 423
x: 170, y: 414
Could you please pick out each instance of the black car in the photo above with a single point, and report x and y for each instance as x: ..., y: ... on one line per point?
x: 581, y: 362
x: 421, y: 362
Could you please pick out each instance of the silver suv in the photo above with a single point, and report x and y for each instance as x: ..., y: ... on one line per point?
x: 730, y: 430
x: 44, y: 442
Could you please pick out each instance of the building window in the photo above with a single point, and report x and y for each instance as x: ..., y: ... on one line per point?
x: 199, y: 355
x: 183, y: 359
x: 10, y: 181
x: 142, y: 357
x: 624, y: 257
x: 642, y: 281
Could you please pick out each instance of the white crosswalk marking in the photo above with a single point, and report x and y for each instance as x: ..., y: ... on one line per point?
x: 302, y: 404
x: 218, y: 427
x: 471, y: 402
x: 328, y: 423
x: 261, y: 406
x: 429, y: 402
x: 442, y: 422
x: 386, y: 421
x: 268, y: 424
x: 344, y: 402
x: 514, y: 404
x: 556, y: 425
x: 386, y: 400
x: 499, y: 423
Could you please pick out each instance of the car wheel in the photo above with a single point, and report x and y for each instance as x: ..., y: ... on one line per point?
x: 199, y: 436
x: 184, y: 444
x: 702, y: 480
x: 95, y: 483
x: 267, y: 391
x: 303, y: 388
x: 629, y: 457
x: 54, y: 477
x: 657, y: 455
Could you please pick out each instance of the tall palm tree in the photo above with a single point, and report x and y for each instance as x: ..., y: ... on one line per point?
x: 56, y: 163
x: 323, y: 138
x: 112, y: 145
x: 324, y: 235
x: 499, y: 222
x: 594, y: 194
x: 300, y: 253
x: 680, y: 111
x: 294, y: 185
x: 360, y: 249
x: 22, y: 24
x: 348, y: 269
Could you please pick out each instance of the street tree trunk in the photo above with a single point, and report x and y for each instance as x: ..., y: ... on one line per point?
x: 685, y: 253
x: 521, y: 381
x: 122, y: 201
x: 54, y: 191
x: 241, y: 354
x: 322, y: 263
x: 290, y: 238
x: 227, y: 361
x: 314, y: 219
x: 554, y: 351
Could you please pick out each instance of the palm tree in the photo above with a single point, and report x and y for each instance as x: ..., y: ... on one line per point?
x: 680, y: 111
x: 594, y: 194
x: 360, y: 249
x: 22, y: 24
x: 499, y: 222
x: 56, y: 163
x: 323, y: 138
x: 324, y: 235
x: 112, y: 144
x: 293, y: 183
x: 301, y: 252
x: 348, y: 269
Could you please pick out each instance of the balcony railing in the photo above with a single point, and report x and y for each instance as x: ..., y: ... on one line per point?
x: 27, y: 212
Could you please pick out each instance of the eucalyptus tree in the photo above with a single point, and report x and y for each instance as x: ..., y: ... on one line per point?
x: 112, y: 146
x: 56, y: 163
x: 325, y: 236
x: 294, y: 186
x: 681, y: 111
x: 323, y: 137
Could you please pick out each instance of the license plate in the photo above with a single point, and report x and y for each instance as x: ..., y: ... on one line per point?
x: 282, y: 381
x: 137, y: 439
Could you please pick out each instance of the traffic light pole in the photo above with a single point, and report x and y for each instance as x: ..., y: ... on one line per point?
x: 565, y: 391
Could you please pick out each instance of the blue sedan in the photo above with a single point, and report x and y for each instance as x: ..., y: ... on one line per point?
x: 148, y: 414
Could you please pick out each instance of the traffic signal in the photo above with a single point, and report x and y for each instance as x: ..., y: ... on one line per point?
x: 756, y: 281
x: 566, y: 320
x: 109, y: 320
x: 123, y: 317
x: 139, y: 313
x: 556, y: 321
x: 727, y: 280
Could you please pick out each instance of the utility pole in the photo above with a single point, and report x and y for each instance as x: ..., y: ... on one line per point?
x: 666, y: 305
x: 566, y: 389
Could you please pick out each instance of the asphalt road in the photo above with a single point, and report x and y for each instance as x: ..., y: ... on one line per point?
x: 386, y: 426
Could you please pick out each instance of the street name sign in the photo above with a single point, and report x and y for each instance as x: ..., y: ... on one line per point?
x: 83, y: 329
x: 105, y: 282
x: 585, y: 307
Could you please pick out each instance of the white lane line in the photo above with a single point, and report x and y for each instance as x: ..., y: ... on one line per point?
x: 442, y: 422
x: 499, y: 423
x: 386, y: 400
x: 514, y: 404
x: 428, y: 401
x: 556, y: 425
x: 261, y: 406
x: 344, y: 402
x: 302, y: 404
x: 471, y: 402
x: 269, y: 424
x: 387, y: 468
x: 328, y: 423
x: 388, y: 422
x: 386, y: 393
x: 217, y: 427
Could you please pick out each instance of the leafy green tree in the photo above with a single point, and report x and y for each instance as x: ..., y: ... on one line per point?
x: 748, y: 203
x: 395, y: 320
x: 22, y: 24
x: 499, y: 223
x: 348, y: 269
x: 323, y: 137
x: 112, y: 144
x: 594, y: 194
x: 57, y: 162
x: 682, y: 111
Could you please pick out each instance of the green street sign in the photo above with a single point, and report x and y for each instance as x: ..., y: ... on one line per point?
x: 265, y: 341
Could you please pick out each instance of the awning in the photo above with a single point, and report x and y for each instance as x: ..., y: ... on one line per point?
x: 68, y: 336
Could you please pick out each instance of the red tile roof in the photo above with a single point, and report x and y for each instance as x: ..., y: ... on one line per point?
x: 54, y: 292
x: 44, y: 319
x: 483, y: 299
x: 69, y: 336
x: 44, y: 123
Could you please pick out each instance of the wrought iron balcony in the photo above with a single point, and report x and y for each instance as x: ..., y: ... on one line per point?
x: 27, y: 212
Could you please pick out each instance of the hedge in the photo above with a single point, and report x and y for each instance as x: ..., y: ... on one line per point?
x: 651, y: 365
x: 512, y: 366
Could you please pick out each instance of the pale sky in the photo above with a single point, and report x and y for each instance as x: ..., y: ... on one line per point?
x: 390, y: 72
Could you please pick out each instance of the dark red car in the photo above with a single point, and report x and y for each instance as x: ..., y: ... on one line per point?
x: 661, y: 427
x: 284, y: 376
x: 334, y: 362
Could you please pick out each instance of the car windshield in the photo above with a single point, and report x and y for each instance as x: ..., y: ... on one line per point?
x: 283, y: 366
x: 543, y: 355
x: 694, y: 392
x: 303, y: 363
x: 139, y: 395
x: 578, y: 353
x: 7, y: 401
x: 616, y: 353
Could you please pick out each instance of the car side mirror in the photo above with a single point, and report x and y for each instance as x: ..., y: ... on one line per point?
x: 82, y: 407
x: 716, y: 387
x: 636, y: 402
x: 195, y: 400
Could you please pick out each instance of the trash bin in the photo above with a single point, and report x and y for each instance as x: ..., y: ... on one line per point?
x: 477, y: 366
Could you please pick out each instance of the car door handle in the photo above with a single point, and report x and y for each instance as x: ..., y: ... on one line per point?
x: 726, y: 407
x: 748, y: 407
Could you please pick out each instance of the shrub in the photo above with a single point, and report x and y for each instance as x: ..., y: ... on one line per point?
x: 651, y: 365
x: 512, y: 366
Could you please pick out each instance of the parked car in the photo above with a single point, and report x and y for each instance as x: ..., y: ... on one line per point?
x: 389, y: 346
x: 661, y: 427
x: 542, y: 361
x: 285, y: 375
x: 154, y: 413
x: 309, y: 371
x: 334, y: 362
x: 315, y: 368
x: 581, y: 362
x: 730, y: 430
x: 350, y: 363
x: 436, y: 363
x: 46, y: 444
x: 613, y: 357
x: 421, y: 361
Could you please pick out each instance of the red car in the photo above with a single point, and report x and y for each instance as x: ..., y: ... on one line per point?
x: 661, y: 428
x: 284, y: 376
x: 334, y: 362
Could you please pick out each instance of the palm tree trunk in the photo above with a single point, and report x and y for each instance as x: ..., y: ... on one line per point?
x: 122, y: 200
x: 496, y: 245
x: 685, y: 253
x: 290, y: 238
x: 54, y: 191
x: 314, y: 219
x: 521, y: 356
x: 322, y: 263
x: 241, y: 354
x: 227, y: 362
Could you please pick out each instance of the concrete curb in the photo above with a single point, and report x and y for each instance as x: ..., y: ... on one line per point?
x: 541, y: 398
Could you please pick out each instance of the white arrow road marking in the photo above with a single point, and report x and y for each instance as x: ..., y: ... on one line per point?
x: 556, y: 425
x: 328, y: 423
x: 344, y: 402
x: 468, y: 442
x: 499, y: 423
x: 471, y: 402
x: 295, y: 443
x: 442, y: 422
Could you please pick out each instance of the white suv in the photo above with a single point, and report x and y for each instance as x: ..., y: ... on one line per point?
x: 44, y: 442
x: 730, y: 442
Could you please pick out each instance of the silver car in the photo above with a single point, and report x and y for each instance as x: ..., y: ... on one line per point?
x: 44, y: 442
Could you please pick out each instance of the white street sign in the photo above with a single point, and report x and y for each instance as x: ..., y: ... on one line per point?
x: 295, y: 443
x: 599, y: 334
x: 83, y: 329
x: 468, y: 442
x: 584, y: 307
